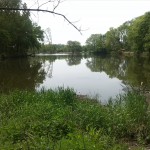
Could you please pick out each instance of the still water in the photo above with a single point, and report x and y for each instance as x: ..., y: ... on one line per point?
x: 103, y: 77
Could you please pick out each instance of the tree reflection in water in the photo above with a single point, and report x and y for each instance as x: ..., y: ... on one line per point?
x: 132, y: 70
x: 30, y: 73
x: 20, y: 74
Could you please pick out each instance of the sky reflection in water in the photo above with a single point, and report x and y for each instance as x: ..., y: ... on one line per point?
x: 81, y: 79
x: 88, y: 75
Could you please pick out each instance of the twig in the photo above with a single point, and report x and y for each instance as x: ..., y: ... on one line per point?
x: 43, y: 10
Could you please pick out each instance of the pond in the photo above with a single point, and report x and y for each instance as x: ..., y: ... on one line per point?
x: 95, y: 76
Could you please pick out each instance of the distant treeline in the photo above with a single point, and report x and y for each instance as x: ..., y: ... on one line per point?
x: 131, y: 36
x: 71, y: 46
x: 20, y: 36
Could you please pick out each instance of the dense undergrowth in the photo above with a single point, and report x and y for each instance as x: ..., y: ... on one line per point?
x: 59, y: 120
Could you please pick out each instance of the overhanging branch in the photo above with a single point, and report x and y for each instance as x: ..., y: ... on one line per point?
x: 43, y: 10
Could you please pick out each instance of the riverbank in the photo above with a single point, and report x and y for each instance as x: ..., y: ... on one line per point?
x: 60, y: 120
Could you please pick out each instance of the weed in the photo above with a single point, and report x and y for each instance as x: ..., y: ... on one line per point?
x: 58, y: 119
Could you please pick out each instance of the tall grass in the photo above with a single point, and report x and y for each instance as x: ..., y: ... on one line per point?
x: 58, y: 119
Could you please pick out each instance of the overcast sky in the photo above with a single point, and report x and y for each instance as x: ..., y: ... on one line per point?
x: 93, y: 16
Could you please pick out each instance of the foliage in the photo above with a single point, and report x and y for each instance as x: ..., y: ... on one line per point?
x: 18, y: 33
x: 113, y: 39
x: 96, y: 43
x: 52, y: 48
x: 139, y: 33
x: 123, y: 35
x: 74, y: 46
x: 131, y: 117
x: 61, y: 120
x: 132, y: 35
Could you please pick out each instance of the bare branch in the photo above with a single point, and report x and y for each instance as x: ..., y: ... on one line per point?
x: 43, y: 10
x: 44, y: 4
x: 37, y: 3
x: 58, y: 2
x: 75, y: 21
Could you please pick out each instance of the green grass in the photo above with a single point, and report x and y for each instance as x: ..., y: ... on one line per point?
x: 59, y: 120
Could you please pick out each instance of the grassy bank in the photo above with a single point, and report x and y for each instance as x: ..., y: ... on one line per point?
x: 59, y: 120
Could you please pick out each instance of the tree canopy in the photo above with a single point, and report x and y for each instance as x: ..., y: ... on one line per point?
x: 139, y: 33
x: 74, y: 46
x: 96, y: 43
x: 132, y: 35
x: 18, y: 34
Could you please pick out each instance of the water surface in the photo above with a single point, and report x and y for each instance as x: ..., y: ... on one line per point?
x: 104, y: 77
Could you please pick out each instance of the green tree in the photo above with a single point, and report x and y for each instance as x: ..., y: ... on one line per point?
x: 139, y: 34
x: 18, y: 33
x: 123, y: 35
x: 96, y: 43
x: 113, y: 42
x: 146, y: 32
x: 9, y: 4
x: 74, y: 46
